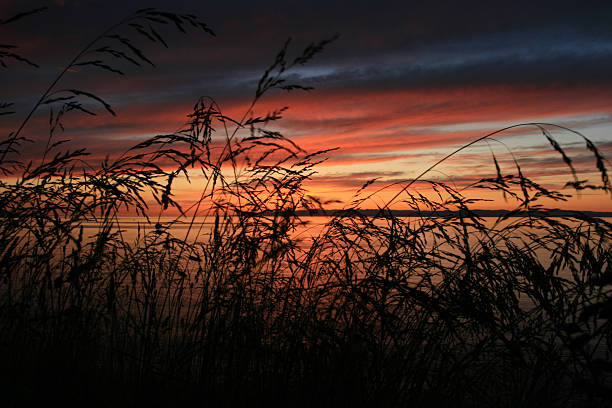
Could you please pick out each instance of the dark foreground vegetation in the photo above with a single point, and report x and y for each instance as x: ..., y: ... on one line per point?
x: 374, y: 310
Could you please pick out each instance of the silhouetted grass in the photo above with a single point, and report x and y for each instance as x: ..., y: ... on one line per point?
x: 377, y: 309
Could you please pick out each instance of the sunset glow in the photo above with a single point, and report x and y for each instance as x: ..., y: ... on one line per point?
x: 392, y: 100
x: 371, y: 203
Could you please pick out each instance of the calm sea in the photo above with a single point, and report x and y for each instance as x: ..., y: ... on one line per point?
x: 132, y: 228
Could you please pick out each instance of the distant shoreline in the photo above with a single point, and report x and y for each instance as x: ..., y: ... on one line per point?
x: 412, y: 213
x: 479, y: 213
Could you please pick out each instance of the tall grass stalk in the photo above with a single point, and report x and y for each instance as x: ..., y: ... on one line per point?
x: 442, y: 308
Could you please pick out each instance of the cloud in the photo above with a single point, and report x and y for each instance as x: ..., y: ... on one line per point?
x: 404, y: 84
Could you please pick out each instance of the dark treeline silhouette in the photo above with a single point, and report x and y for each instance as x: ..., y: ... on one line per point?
x: 445, y: 213
x: 441, y: 308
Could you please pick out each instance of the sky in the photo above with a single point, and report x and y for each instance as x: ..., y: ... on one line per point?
x: 403, y: 85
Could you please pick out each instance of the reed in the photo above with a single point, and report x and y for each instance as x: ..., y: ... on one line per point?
x: 377, y: 309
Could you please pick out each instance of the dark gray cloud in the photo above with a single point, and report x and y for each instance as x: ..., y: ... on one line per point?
x: 384, y: 45
x: 384, y: 42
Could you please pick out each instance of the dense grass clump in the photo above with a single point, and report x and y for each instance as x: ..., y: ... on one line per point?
x: 442, y: 308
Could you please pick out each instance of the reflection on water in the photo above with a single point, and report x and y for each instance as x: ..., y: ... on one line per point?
x: 200, y: 228
x: 134, y: 228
